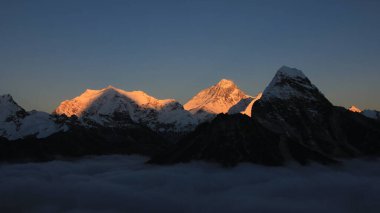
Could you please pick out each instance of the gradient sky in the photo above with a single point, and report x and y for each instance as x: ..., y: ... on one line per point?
x: 53, y: 50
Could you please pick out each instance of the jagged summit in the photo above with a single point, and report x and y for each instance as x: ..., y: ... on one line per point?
x: 289, y: 72
x: 289, y: 83
x: 291, y: 101
x: 5, y: 97
x: 16, y: 123
x: 355, y: 109
x: 225, y: 83
x: 216, y: 99
x: 9, y: 108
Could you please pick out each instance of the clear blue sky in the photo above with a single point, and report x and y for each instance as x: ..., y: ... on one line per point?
x: 53, y: 50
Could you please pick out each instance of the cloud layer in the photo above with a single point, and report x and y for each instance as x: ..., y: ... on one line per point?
x: 125, y: 184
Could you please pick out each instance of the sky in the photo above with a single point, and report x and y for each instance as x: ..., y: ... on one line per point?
x: 51, y: 50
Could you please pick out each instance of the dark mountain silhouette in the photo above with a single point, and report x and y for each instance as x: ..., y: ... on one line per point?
x: 80, y: 141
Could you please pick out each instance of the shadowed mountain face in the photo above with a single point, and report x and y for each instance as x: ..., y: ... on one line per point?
x: 293, y: 121
x: 231, y: 139
x: 291, y: 106
x: 80, y: 141
x: 374, y: 114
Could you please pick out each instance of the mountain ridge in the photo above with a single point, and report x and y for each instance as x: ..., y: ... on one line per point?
x: 102, y: 106
x: 290, y: 121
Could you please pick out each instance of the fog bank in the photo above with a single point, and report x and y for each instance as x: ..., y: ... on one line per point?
x: 125, y: 184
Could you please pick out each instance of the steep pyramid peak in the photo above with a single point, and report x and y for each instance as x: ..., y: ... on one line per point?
x: 289, y: 72
x: 355, y: 109
x: 8, y: 107
x: 289, y: 83
x: 6, y: 98
x: 226, y: 83
x: 110, y: 87
x: 216, y: 99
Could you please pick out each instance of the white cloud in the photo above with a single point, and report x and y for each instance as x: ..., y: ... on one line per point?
x: 125, y: 184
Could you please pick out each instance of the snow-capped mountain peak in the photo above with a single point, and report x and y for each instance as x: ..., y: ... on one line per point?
x: 105, y: 106
x: 9, y: 108
x: 355, y: 109
x: 216, y: 99
x: 225, y: 83
x: 290, y: 83
x: 16, y: 123
x: 289, y: 72
x: 108, y: 100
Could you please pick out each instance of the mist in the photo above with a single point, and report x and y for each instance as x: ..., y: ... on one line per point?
x: 126, y: 184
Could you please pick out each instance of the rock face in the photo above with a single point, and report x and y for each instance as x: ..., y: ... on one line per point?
x: 216, y: 99
x: 112, y: 107
x: 16, y: 123
x: 293, y: 121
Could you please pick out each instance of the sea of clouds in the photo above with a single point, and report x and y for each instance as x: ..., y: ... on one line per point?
x: 126, y: 184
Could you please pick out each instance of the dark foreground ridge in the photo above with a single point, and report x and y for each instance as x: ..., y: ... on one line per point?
x: 79, y: 141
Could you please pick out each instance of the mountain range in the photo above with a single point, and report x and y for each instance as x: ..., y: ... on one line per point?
x: 290, y: 121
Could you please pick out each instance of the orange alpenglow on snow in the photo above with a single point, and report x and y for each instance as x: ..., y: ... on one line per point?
x: 355, y: 109
x: 216, y: 99
x: 90, y: 98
